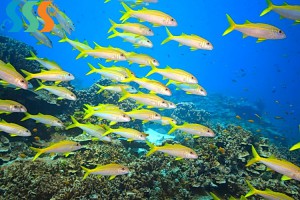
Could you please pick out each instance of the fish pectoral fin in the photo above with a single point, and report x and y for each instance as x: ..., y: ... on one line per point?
x: 142, y: 65
x: 281, y: 17
x: 108, y: 60
x: 260, y: 40
x: 95, y: 139
x: 269, y: 169
x: 178, y: 158
x: 150, y: 107
x: 136, y: 45
x: 112, y: 177
x: 99, y: 176
x: 193, y: 49
x: 285, y: 178
x: 144, y: 121
x: 180, y: 45
x: 13, y: 135
x: 52, y: 154
x: 57, y: 82
x: 112, y: 123
x: 130, y: 140
x: 67, y: 154
x: 245, y: 35
x: 60, y: 98
x: 196, y: 136
x: 155, y: 25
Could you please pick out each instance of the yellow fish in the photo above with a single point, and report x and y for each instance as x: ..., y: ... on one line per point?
x: 77, y: 45
x: 257, y: 30
x: 288, y: 169
x: 11, y: 106
x: 157, y: 18
x: 117, y: 88
x: 136, y: 28
x: 194, y: 129
x: 166, y: 120
x: 195, y: 42
x: 107, y: 72
x: 14, y: 129
x: 45, y: 119
x: 64, y: 21
x: 61, y: 92
x: 129, y: 133
x: 60, y: 147
x: 103, y: 107
x: 111, y: 170
x: 144, y: 114
x: 52, y: 75
x: 296, y: 146
x: 51, y: 65
x: 9, y: 74
x: 177, y: 150
x: 107, y: 53
x: 190, y: 88
x: 154, y: 86
x: 141, y: 59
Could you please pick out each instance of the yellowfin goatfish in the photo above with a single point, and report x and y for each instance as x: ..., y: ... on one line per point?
x: 267, y: 194
x: 177, y: 150
x: 125, y: 71
x: 288, y: 169
x: 42, y: 38
x: 114, y: 115
x: 51, y: 65
x: 61, y: 92
x: 14, y: 129
x: 111, y: 170
x: 76, y: 44
x: 117, y: 88
x: 129, y: 133
x: 136, y: 40
x: 141, y: 59
x: 11, y: 106
x: 64, y: 146
x: 191, y: 88
x: 52, y: 75
x: 166, y: 120
x: 174, y: 74
x: 64, y: 21
x: 285, y: 11
x: 257, y: 30
x: 9, y: 74
x: 195, y: 129
x: 144, y: 114
x: 154, y: 86
x: 56, y: 30
x: 171, y: 105
x: 193, y: 41
x: 6, y: 84
x: 157, y: 18
x: 107, y: 72
x: 108, y: 53
x: 296, y: 146
x: 150, y: 100
x: 45, y: 119
x: 136, y: 28
x: 94, y: 130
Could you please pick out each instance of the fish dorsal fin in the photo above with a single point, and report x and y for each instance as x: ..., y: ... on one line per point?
x: 272, y: 157
x: 268, y: 190
x: 194, y: 35
x: 185, y: 123
x: 285, y: 4
x: 183, y: 34
x: 168, y: 67
x: 86, y: 42
x: 248, y: 22
x: 10, y: 66
x: 285, y: 178
x: 144, y: 8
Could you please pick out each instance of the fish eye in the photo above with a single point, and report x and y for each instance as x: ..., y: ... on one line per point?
x: 27, y: 131
x: 77, y: 144
x: 280, y: 31
x: 207, y: 43
x: 123, y: 168
x: 22, y: 81
x: 208, y: 131
x: 15, y: 106
x: 167, y: 89
x: 150, y: 30
x: 163, y: 102
x: 172, y: 19
x: 154, y: 60
x: 156, y: 115
x: 122, y: 55
x: 69, y: 74
x: 191, y: 152
x: 192, y: 77
x: 72, y: 95
x: 124, y: 115
x: 201, y: 90
x: 141, y: 135
x: 148, y: 41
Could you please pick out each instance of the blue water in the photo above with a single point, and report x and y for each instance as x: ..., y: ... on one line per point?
x: 267, y: 71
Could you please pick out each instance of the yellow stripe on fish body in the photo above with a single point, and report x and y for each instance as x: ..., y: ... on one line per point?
x: 14, y: 129
x: 129, y: 133
x: 285, y: 10
x: 123, y: 70
x: 51, y: 65
x: 111, y: 170
x: 45, y: 119
x: 288, y: 169
x: 9, y: 74
x: 194, y: 129
x: 166, y: 120
x: 141, y: 59
x: 267, y: 194
x: 177, y: 150
x: 257, y: 30
x: 103, y: 107
x: 193, y: 41
x: 117, y: 88
x: 136, y: 28
x: 64, y: 146
x: 107, y: 72
x: 296, y: 146
x: 174, y: 74
x: 108, y: 53
x: 61, y: 92
x: 153, y: 85
x: 52, y: 75
x: 11, y: 106
x: 144, y: 114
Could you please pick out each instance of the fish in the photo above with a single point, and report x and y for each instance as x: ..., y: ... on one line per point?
x: 288, y: 169
x: 6, y: 84
x: 129, y: 133
x: 65, y: 146
x: 103, y: 107
x: 178, y: 75
x: 257, y: 30
x: 56, y: 30
x: 111, y: 170
x: 154, y: 86
x: 171, y: 105
x: 52, y: 75
x: 136, y: 28
x: 285, y: 11
x: 107, y: 72
x: 215, y: 197
x: 189, y: 88
x: 150, y: 100
x: 278, y: 117
x: 114, y: 115
x: 49, y: 120
x: 177, y: 150
x: 142, y: 59
x: 95, y: 131
x: 50, y: 65
x: 144, y: 114
x: 296, y: 146
x: 157, y: 18
x: 64, y: 21
x: 107, y: 53
x: 195, y: 42
x: 123, y: 70
x: 195, y: 129
x: 267, y: 194
x: 251, y: 120
x: 61, y: 92
x: 8, y: 106
x: 136, y: 40
x: 42, y: 38
x: 238, y: 117
x: 14, y: 129
x: 76, y: 44
x: 166, y: 120
x: 117, y: 88
x: 9, y: 74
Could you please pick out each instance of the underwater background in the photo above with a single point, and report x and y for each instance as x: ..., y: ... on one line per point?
x: 252, y: 99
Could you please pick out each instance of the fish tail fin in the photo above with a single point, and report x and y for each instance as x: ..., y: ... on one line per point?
x: 153, y: 148
x: 127, y: 13
x: 27, y: 116
x: 39, y: 152
x: 28, y: 74
x: 75, y: 123
x: 231, y: 25
x: 41, y: 86
x: 93, y: 69
x: 152, y: 71
x: 89, y: 111
x: 255, y: 159
x: 125, y: 95
x: 170, y: 37
x: 174, y: 128
x: 115, y: 34
x: 108, y: 130
x: 33, y: 56
x: 252, y: 190
x: 268, y: 9
x: 81, y: 54
x: 113, y: 25
x: 106, y: 1
x: 87, y: 172
x: 101, y: 88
